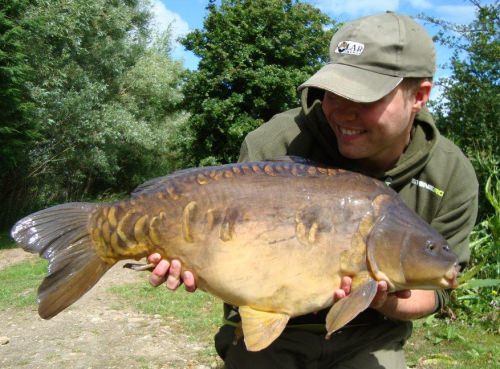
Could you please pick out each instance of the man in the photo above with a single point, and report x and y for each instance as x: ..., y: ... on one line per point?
x: 363, y: 111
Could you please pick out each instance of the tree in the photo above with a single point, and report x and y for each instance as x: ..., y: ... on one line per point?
x: 254, y: 54
x: 468, y: 111
x: 16, y: 129
x: 105, y: 97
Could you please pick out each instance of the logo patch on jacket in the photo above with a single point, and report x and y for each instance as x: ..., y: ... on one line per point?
x: 350, y: 47
x: 427, y: 186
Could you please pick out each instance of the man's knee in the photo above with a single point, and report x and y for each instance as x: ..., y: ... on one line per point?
x: 224, y: 338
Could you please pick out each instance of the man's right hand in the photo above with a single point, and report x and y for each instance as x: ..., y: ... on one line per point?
x: 170, y: 273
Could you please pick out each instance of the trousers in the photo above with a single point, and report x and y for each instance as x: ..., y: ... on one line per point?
x: 365, y: 347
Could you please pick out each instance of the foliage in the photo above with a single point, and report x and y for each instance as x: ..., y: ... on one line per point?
x: 6, y: 242
x: 253, y: 54
x: 468, y: 111
x: 16, y: 129
x: 105, y: 97
x: 478, y: 297
x: 445, y: 344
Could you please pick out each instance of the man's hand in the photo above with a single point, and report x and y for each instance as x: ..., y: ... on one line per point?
x: 344, y: 290
x: 400, y: 305
x: 170, y: 273
x: 382, y: 296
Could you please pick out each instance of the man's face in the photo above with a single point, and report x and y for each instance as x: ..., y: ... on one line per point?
x: 375, y: 133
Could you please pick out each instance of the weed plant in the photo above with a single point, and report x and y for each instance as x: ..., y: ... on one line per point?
x: 477, y: 300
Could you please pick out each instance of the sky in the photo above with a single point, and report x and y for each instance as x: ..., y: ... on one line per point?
x: 187, y: 15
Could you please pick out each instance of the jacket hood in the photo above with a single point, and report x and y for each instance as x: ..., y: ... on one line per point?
x: 424, y: 140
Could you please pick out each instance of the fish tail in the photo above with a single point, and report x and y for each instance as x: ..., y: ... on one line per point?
x: 61, y: 235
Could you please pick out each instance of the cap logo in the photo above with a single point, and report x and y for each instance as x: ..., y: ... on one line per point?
x: 350, y: 47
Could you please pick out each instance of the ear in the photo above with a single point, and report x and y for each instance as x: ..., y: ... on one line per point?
x: 421, y: 96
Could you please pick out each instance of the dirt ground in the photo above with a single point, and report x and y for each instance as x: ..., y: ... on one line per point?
x: 98, y: 331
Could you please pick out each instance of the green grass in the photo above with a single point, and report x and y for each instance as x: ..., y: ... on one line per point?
x: 198, y: 315
x: 441, y: 344
x: 18, y: 283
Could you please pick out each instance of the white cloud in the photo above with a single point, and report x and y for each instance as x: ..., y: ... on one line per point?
x: 163, y: 18
x: 356, y: 8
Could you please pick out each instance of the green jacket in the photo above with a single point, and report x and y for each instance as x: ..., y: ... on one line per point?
x: 433, y: 176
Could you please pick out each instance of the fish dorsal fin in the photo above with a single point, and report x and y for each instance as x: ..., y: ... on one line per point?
x: 156, y: 184
x: 294, y: 159
x: 261, y: 328
x: 149, y: 186
x: 342, y: 312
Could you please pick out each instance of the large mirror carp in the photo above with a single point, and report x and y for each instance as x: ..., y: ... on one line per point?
x: 272, y: 237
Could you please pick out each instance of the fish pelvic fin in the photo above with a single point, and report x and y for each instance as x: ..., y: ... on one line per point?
x: 261, y: 328
x: 346, y: 309
x: 60, y: 234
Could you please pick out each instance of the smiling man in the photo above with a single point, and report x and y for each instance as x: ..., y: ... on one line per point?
x: 363, y: 111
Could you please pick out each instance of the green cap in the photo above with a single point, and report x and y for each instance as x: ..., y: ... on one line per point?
x: 370, y: 56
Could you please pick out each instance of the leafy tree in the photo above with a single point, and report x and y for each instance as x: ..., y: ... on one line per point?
x: 105, y: 97
x: 468, y: 110
x: 16, y: 129
x: 253, y: 54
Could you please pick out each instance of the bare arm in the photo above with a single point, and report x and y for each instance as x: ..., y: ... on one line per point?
x: 404, y: 305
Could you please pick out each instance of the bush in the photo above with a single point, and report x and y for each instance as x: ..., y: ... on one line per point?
x: 477, y: 300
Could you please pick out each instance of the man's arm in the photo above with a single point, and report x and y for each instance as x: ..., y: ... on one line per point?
x: 404, y: 305
x: 400, y: 305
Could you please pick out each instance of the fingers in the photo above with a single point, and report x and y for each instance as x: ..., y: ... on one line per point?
x: 158, y: 274
x: 170, y: 273
x: 154, y: 258
x: 383, y: 299
x: 344, y: 290
x: 346, y: 284
x: 381, y: 296
x: 188, y: 279
x: 174, y: 275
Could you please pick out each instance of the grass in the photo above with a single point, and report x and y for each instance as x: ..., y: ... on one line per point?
x: 441, y: 344
x: 20, y: 282
x: 435, y: 343
x: 198, y: 315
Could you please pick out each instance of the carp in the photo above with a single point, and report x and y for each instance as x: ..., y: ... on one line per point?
x: 272, y: 237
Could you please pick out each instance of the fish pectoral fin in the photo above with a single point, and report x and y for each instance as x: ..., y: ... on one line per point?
x: 261, y: 328
x: 345, y: 310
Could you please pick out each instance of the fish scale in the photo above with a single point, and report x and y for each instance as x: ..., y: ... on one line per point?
x: 274, y: 238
